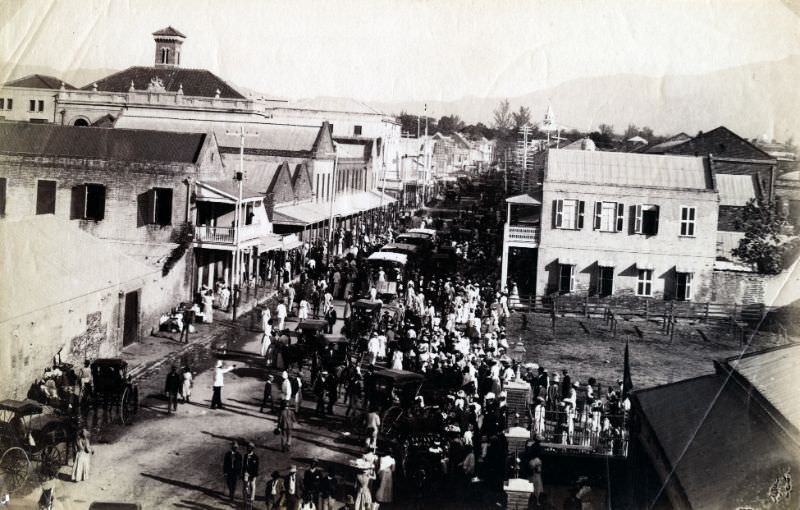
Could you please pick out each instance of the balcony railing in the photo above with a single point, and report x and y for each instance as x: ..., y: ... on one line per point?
x: 225, y: 235
x: 594, y: 433
x: 516, y: 233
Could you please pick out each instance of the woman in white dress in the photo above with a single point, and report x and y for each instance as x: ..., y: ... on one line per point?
x: 186, y: 387
x: 385, y: 491
x: 302, y: 310
x: 208, y: 307
x: 266, y: 339
x: 397, y: 360
x: 80, y: 471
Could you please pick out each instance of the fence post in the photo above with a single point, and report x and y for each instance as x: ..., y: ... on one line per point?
x: 705, y: 319
x: 647, y: 311
x: 586, y: 306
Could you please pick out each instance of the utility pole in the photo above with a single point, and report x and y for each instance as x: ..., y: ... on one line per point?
x: 333, y: 196
x: 239, y: 176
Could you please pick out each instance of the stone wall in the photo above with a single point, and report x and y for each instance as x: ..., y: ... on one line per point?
x: 738, y: 287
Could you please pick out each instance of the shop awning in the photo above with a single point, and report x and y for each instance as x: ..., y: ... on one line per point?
x: 290, y: 242
x: 269, y: 243
x: 301, y: 214
x: 345, y: 205
x: 355, y: 203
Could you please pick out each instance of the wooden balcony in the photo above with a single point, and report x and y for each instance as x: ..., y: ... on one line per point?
x: 521, y: 236
x: 226, y: 235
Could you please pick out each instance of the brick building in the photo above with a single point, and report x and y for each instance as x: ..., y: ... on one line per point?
x: 619, y: 224
x: 69, y: 294
x: 129, y: 188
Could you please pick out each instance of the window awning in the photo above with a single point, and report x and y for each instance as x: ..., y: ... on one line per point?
x: 645, y: 265
x: 567, y: 261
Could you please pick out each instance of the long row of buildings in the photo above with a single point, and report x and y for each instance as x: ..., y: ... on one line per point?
x: 121, y: 199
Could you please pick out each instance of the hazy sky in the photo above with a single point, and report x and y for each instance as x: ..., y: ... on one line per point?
x: 402, y: 50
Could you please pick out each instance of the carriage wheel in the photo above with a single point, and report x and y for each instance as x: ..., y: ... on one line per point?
x: 50, y: 462
x: 127, y: 405
x: 14, y: 468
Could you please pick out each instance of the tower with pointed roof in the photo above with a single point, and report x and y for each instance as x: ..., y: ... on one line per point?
x: 168, y: 47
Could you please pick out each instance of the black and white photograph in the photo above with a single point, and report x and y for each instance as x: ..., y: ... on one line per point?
x: 399, y: 254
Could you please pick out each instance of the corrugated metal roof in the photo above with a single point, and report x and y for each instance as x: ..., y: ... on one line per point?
x: 774, y: 374
x: 735, y: 189
x: 626, y: 169
x: 724, y: 452
x: 99, y: 143
x: 279, y: 137
x: 64, y: 262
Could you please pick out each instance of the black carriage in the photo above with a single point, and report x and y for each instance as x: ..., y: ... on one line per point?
x: 335, y: 351
x: 113, y: 389
x: 304, y: 343
x: 29, y: 436
x: 394, y: 394
x: 364, y: 318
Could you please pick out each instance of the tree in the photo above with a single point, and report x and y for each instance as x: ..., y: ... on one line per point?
x: 606, y: 130
x: 646, y: 133
x: 450, y: 124
x: 630, y: 132
x: 521, y: 118
x: 408, y: 123
x: 763, y: 224
x: 502, y: 116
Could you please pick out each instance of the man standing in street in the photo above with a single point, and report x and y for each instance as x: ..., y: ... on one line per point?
x: 172, y: 388
x: 312, y: 479
x: 188, y: 320
x: 286, y: 423
x: 232, y: 468
x: 219, y: 382
x: 250, y: 472
x: 280, y: 312
x: 293, y: 488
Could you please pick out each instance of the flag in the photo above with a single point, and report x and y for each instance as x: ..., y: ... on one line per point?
x: 627, y: 382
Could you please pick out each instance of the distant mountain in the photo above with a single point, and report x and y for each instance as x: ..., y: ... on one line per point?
x: 752, y: 100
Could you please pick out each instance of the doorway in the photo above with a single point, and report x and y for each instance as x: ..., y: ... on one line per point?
x: 130, y: 326
x: 606, y: 281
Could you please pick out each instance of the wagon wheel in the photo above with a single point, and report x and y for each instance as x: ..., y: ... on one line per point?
x: 14, y: 468
x: 51, y: 461
x: 127, y: 405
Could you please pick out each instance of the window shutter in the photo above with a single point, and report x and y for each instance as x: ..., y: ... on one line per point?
x: 78, y: 202
x: 581, y: 210
x: 558, y: 207
x: 146, y: 207
x: 598, y: 208
x: 100, y: 203
x: 638, y: 225
x: 3, y: 185
x: 620, y: 217
x: 657, y: 216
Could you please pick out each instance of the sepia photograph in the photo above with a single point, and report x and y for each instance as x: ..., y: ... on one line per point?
x: 399, y: 254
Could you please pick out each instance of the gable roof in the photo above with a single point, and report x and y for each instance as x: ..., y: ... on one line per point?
x: 169, y: 32
x: 660, y: 148
x: 39, y: 81
x: 708, y: 432
x: 627, y: 169
x: 26, y: 139
x: 195, y: 82
x: 84, y: 264
x: 773, y: 372
x: 721, y: 142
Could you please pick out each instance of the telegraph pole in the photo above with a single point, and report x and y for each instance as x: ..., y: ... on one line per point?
x: 239, y: 176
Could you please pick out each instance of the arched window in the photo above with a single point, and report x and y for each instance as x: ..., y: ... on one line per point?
x: 164, y: 55
x: 80, y: 122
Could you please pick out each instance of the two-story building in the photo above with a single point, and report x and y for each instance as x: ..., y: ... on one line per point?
x: 31, y: 98
x: 621, y: 224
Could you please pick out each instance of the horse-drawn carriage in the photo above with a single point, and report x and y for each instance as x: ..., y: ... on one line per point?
x: 112, y: 389
x: 28, y: 436
x: 364, y: 318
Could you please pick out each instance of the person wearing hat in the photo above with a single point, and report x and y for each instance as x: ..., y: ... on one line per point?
x: 286, y: 423
x: 274, y: 496
x: 320, y: 390
x: 312, y: 479
x: 267, y: 395
x: 219, y: 382
x: 286, y: 387
x: 232, y: 468
x: 292, y: 489
x: 363, y: 499
x: 171, y: 389
x: 250, y: 472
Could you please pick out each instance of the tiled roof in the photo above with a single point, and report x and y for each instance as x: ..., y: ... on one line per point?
x: 626, y: 169
x: 65, y: 261
x: 774, y: 374
x: 39, y: 81
x: 722, y: 451
x: 721, y: 142
x: 170, y: 32
x: 195, y: 82
x: 99, y: 143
